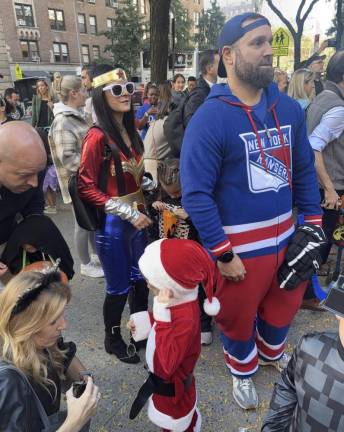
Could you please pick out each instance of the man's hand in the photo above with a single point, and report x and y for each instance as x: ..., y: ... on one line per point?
x: 158, y: 206
x: 3, y: 268
x: 233, y: 270
x: 142, y: 222
x: 331, y: 200
x: 153, y: 110
x: 323, y: 46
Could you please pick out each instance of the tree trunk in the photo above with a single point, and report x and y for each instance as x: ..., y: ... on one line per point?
x: 340, y: 24
x: 297, y: 50
x: 159, y: 29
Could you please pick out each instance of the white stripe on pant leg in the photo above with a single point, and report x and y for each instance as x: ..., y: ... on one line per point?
x: 197, y: 427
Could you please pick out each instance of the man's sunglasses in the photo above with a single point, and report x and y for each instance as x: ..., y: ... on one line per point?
x: 118, y: 89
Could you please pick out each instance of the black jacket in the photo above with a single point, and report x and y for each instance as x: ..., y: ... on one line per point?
x: 309, y: 394
x: 25, y: 204
x: 195, y: 99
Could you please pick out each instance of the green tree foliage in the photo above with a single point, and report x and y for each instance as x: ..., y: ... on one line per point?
x: 126, y: 37
x: 210, y: 24
x: 183, y: 25
x: 337, y: 29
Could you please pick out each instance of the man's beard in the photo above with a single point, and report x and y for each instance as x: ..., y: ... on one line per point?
x: 254, y: 75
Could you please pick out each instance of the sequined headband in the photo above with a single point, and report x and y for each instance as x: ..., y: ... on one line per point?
x: 108, y: 77
x: 25, y: 299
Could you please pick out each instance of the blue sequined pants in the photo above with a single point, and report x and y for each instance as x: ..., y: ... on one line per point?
x: 119, y: 248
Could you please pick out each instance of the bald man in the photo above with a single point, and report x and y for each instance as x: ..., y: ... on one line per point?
x: 22, y: 162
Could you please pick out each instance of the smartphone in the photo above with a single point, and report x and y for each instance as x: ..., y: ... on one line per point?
x: 334, y: 301
x: 331, y: 43
x: 79, y: 386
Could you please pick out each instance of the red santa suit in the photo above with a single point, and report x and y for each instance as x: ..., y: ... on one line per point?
x: 173, y: 329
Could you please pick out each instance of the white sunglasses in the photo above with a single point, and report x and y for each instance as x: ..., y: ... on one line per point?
x: 118, y: 89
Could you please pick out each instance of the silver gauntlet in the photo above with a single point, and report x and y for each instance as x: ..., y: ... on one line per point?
x: 118, y: 208
x: 147, y: 184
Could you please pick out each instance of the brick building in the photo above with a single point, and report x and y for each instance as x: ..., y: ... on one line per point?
x: 236, y: 7
x: 4, y: 65
x: 44, y: 36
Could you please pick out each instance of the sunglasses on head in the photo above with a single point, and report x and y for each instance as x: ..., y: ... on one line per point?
x: 118, y: 89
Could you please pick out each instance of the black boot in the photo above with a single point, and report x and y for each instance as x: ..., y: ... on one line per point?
x: 138, y: 302
x: 114, y: 344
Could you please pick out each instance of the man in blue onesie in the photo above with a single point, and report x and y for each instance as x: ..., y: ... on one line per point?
x: 245, y: 161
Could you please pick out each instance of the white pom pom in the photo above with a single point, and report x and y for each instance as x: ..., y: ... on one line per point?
x: 212, y: 308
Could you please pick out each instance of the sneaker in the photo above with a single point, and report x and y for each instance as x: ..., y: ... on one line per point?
x: 244, y: 393
x: 50, y: 210
x: 206, y: 338
x: 279, y: 364
x: 91, y: 270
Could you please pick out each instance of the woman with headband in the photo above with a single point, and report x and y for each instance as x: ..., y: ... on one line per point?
x: 121, y: 237
x: 35, y: 360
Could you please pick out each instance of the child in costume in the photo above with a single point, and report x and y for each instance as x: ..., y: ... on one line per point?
x: 173, y: 330
x: 174, y: 222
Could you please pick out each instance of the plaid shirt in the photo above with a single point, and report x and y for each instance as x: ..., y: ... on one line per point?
x: 65, y: 138
x: 309, y: 395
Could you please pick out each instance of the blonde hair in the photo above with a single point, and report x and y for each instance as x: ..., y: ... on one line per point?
x: 69, y: 83
x: 37, y: 91
x: 278, y: 74
x: 297, y: 83
x: 17, y: 332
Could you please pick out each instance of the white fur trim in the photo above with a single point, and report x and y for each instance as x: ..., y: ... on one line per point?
x: 161, y: 311
x: 150, y: 349
x: 212, y: 308
x: 142, y: 325
x: 152, y: 269
x: 167, y: 422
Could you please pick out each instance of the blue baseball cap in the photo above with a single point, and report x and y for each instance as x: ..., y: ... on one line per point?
x: 233, y: 31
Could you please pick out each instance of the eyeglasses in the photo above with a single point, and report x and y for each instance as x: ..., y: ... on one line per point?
x: 118, y: 89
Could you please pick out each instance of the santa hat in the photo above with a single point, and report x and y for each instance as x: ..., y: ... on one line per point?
x: 180, y: 265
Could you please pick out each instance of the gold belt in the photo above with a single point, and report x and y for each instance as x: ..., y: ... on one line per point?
x: 134, y: 199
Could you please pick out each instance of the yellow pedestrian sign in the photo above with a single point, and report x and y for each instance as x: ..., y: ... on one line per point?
x: 280, y: 43
x: 19, y: 72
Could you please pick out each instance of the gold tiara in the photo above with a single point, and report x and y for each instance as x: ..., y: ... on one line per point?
x: 108, y: 77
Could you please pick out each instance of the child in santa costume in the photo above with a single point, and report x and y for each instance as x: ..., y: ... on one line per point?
x: 173, y: 269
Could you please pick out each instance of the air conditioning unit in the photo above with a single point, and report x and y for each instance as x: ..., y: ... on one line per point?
x: 92, y: 1
x: 36, y: 58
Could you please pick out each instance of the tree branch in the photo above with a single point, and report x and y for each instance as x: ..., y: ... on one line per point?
x: 282, y: 17
x: 298, y: 18
x: 310, y: 7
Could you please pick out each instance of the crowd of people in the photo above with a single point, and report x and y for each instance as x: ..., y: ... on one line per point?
x: 192, y: 197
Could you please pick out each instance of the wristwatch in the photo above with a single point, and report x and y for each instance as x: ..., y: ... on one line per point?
x: 226, y: 257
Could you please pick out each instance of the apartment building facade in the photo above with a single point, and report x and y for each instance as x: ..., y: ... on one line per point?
x: 44, y: 36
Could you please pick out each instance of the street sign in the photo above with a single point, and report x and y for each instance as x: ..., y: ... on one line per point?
x: 19, y: 72
x: 280, y: 43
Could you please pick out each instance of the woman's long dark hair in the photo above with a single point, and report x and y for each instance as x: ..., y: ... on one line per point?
x: 106, y: 121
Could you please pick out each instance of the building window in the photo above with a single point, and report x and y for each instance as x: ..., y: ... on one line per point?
x: 82, y: 23
x: 96, y: 52
x: 24, y: 15
x: 29, y: 50
x: 111, y: 3
x: 110, y: 23
x: 93, y: 24
x: 61, y: 54
x: 92, y: 1
x: 56, y: 19
x: 196, y: 19
x: 85, y: 53
x: 143, y: 7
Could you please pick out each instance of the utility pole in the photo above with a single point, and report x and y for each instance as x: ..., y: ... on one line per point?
x: 77, y: 33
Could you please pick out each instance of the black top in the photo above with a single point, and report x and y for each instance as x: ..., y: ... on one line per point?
x: 43, y: 120
x: 195, y: 99
x: 51, y: 401
x: 25, y: 204
x: 319, y: 86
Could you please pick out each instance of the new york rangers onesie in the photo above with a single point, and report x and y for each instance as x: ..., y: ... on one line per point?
x: 242, y: 170
x: 173, y: 331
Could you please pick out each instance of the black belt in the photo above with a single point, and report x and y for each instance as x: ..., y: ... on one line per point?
x: 155, y: 384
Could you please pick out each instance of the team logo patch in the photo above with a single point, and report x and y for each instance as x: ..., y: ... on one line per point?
x: 275, y: 176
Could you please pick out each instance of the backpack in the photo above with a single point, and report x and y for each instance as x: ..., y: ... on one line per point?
x: 174, y: 128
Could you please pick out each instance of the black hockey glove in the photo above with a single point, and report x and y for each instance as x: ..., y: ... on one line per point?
x: 303, y: 256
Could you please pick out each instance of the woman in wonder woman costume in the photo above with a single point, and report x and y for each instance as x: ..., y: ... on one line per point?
x: 121, y: 238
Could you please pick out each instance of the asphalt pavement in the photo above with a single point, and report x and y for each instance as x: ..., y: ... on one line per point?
x: 119, y: 382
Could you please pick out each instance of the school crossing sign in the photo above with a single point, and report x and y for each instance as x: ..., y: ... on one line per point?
x: 280, y: 43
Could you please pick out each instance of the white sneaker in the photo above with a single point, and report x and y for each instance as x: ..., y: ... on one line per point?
x: 91, y: 270
x: 50, y: 210
x: 244, y: 393
x: 206, y: 338
x: 279, y: 364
